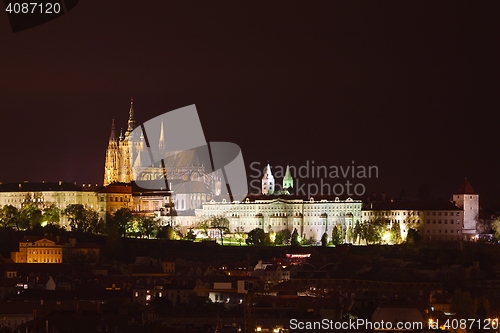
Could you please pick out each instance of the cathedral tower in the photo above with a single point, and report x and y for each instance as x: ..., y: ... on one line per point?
x: 268, y: 181
x: 287, y: 180
x: 111, y: 164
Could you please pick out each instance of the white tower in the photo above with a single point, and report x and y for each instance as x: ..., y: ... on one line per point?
x: 468, y: 200
x: 268, y: 181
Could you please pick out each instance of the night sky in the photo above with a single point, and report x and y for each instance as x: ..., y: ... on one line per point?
x: 411, y: 87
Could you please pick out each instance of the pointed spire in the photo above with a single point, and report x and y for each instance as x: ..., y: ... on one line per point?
x: 268, y: 174
x: 287, y: 172
x: 161, y: 142
x: 131, y: 120
x: 466, y: 188
x: 121, y: 134
x: 268, y: 181
x: 112, y: 137
x: 287, y: 179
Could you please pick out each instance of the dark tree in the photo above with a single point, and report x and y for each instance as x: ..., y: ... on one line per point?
x: 256, y: 237
x: 190, y: 236
x: 413, y: 236
x: 324, y: 240
x: 295, y: 238
x: 123, y: 219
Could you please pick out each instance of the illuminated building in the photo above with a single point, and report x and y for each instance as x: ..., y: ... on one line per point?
x: 312, y: 217
x: 189, y: 184
x: 61, y: 194
x: 34, y: 249
x: 468, y: 200
x: 433, y: 220
x: 117, y: 196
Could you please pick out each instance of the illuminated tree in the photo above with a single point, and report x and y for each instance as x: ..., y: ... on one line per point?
x: 9, y: 217
x: 30, y: 215
x: 240, y: 233
x: 348, y: 235
x: 372, y: 231
x: 283, y: 237
x: 166, y: 232
x: 395, y: 233
x: 337, y: 234
x: 51, y: 215
x: 221, y: 224
x: 495, y: 225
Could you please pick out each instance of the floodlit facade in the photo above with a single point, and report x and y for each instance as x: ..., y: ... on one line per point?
x: 38, y: 250
x: 312, y: 218
x: 188, y: 181
x: 468, y: 200
x: 433, y: 220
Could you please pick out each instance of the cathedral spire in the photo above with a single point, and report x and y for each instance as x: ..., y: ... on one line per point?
x: 287, y: 180
x: 112, y: 137
x: 131, y: 120
x: 161, y: 142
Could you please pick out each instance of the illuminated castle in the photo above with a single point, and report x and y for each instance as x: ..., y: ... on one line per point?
x: 186, y: 178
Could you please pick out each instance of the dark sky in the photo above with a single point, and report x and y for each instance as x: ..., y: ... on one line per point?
x: 411, y: 87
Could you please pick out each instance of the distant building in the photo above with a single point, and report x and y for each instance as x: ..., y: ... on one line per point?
x: 117, y: 196
x: 50, y: 194
x: 311, y: 217
x: 433, y: 220
x: 38, y: 250
x: 48, y: 250
x: 127, y: 161
x: 468, y: 200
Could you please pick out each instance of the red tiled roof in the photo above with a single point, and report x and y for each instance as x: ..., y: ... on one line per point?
x: 466, y: 188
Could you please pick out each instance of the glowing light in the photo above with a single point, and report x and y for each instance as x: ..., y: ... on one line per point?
x: 293, y: 256
x: 386, y: 237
